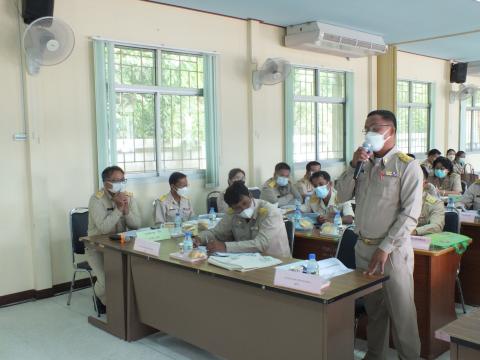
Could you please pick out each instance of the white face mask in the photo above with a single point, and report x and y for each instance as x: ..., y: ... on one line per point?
x: 282, y: 181
x: 118, y: 187
x: 376, y: 140
x: 183, y: 191
x: 248, y: 212
x: 451, y: 157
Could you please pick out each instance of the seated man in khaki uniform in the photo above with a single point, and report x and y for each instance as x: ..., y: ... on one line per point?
x: 279, y: 189
x: 432, y: 217
x: 176, y: 201
x: 250, y: 225
x: 111, y: 210
x: 235, y: 174
x: 432, y: 155
x: 471, y: 198
x: 324, y: 200
x: 304, y: 185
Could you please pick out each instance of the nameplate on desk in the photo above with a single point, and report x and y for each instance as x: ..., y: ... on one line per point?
x: 313, y: 284
x: 420, y: 242
x: 147, y: 246
x: 468, y: 216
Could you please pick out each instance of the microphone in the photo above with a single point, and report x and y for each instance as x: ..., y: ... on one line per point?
x: 359, y: 166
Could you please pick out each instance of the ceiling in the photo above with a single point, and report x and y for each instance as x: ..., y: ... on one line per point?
x: 397, y: 21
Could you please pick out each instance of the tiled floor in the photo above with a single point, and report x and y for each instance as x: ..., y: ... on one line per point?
x: 49, y: 329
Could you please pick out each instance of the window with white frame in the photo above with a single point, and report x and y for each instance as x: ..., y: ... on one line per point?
x: 472, y: 123
x: 413, y: 116
x: 318, y: 115
x: 157, y: 110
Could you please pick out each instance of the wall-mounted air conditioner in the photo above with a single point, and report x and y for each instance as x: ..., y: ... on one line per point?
x: 335, y: 40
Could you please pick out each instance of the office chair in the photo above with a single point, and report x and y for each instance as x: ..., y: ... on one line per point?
x: 452, y: 224
x: 212, y: 201
x: 255, y: 191
x: 290, y: 234
x: 346, y: 254
x: 78, y: 229
x: 464, y: 186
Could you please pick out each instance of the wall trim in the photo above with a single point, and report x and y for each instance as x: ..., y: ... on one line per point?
x: 32, y: 294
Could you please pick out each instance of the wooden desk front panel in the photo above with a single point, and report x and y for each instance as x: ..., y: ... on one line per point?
x: 470, y: 266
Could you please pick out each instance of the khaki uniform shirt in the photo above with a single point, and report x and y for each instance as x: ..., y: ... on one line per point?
x: 432, y: 217
x: 283, y: 195
x: 222, y: 206
x: 427, y: 165
x: 471, y: 198
x: 265, y: 232
x: 304, y: 187
x: 451, y: 182
x: 317, y: 205
x: 166, y: 209
x: 458, y: 168
x: 388, y: 197
x: 104, y: 218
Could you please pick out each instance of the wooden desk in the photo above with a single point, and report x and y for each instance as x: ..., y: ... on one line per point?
x: 470, y: 266
x: 434, y: 286
x: 464, y: 337
x: 231, y: 314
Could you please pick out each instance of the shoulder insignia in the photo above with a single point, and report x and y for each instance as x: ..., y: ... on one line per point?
x: 430, y: 199
x: 230, y: 211
x: 163, y: 197
x: 404, y: 157
x: 314, y: 199
x: 477, y: 182
x: 272, y: 183
x: 99, y: 194
x: 263, y: 211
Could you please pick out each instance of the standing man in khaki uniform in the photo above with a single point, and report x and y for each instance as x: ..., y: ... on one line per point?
x: 388, y: 197
x: 176, y: 201
x: 250, y: 225
x: 279, y: 189
x: 432, y: 217
x: 304, y: 185
x: 471, y: 198
x: 111, y: 210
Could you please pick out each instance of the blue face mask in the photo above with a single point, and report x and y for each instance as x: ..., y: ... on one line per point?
x: 439, y: 173
x: 461, y: 161
x: 321, y: 191
x: 282, y: 181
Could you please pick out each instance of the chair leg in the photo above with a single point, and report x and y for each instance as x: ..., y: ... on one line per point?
x: 459, y: 285
x: 355, y: 328
x: 71, y: 288
x: 94, y: 295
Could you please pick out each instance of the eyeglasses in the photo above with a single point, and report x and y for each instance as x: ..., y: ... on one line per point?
x: 121, y: 181
x: 374, y: 128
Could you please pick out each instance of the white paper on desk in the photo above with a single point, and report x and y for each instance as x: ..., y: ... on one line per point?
x: 147, y: 246
x: 332, y: 267
x: 468, y: 216
x: 243, y: 262
x: 420, y: 242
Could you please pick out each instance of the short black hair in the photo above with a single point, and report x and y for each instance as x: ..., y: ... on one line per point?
x: 460, y: 153
x: 173, y: 179
x: 233, y: 172
x: 282, y: 166
x: 425, y: 172
x: 386, y: 115
x: 312, y: 163
x: 234, y: 193
x: 434, y: 152
x: 447, y: 164
x: 411, y: 155
x: 322, y: 174
x: 451, y: 150
x: 109, y: 171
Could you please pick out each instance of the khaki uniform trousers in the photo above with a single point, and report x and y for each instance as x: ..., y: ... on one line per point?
x: 394, y: 302
x: 95, y: 260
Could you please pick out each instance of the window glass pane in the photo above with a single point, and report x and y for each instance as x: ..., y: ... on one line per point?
x: 419, y: 131
x: 182, y: 122
x: 475, y: 144
x: 402, y: 129
x: 331, y: 84
x: 419, y: 93
x: 403, y: 95
x: 476, y: 98
x: 468, y: 130
x: 182, y: 70
x: 134, y: 66
x: 304, y: 82
x: 330, y: 131
x: 135, y: 129
x: 304, y: 129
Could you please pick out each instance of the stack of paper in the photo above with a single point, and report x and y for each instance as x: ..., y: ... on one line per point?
x: 243, y: 262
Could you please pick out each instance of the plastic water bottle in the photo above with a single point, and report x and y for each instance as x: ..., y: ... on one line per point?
x: 298, y: 215
x: 337, y: 220
x: 187, y: 243
x: 307, y: 199
x: 312, y: 265
x: 212, y: 215
x: 178, y: 222
x: 451, y: 204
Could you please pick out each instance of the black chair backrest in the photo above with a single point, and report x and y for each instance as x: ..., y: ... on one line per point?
x: 290, y: 234
x: 464, y: 186
x: 346, y: 249
x: 452, y: 223
x: 212, y: 201
x: 255, y: 192
x: 79, y: 223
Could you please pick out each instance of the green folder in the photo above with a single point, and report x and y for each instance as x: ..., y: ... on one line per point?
x: 154, y: 235
x: 447, y: 239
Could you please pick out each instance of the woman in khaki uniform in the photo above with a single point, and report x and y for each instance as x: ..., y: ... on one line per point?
x: 444, y: 179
